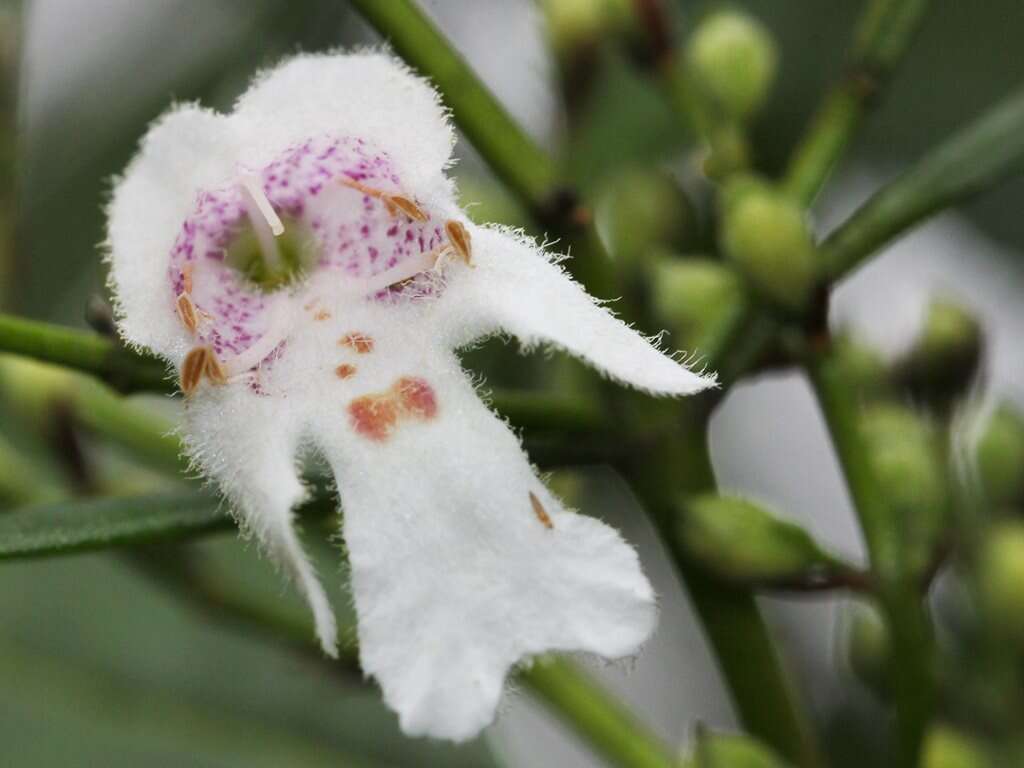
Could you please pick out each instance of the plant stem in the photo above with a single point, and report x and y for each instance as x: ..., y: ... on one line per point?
x: 885, y: 32
x: 84, y: 351
x: 909, y: 625
x: 516, y: 159
x: 605, y: 725
x: 733, y: 624
x: 130, y: 372
x: 975, y: 158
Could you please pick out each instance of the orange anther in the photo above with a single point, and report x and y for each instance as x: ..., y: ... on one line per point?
x: 345, y: 371
x: 458, y: 236
x: 187, y: 312
x: 540, y: 512
x: 322, y: 314
x: 408, y: 207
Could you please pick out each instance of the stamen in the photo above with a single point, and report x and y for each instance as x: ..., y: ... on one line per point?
x: 458, y: 235
x: 404, y: 270
x: 215, y: 369
x: 186, y: 277
x: 540, y: 512
x: 392, y: 203
x: 408, y: 207
x: 278, y: 327
x: 322, y: 314
x: 187, y: 312
x: 192, y: 369
x: 264, y: 219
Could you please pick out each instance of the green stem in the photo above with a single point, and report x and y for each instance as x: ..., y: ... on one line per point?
x: 975, y: 158
x: 909, y: 625
x: 131, y: 372
x: 516, y: 159
x: 587, y: 708
x: 885, y: 32
x: 733, y: 624
x: 84, y: 351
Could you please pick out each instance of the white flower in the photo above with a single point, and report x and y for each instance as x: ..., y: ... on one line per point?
x: 331, y: 168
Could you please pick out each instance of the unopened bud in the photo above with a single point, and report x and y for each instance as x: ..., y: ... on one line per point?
x: 944, y: 360
x: 740, y: 541
x: 767, y: 237
x: 720, y: 750
x: 732, y: 58
x: 907, y: 459
x: 945, y: 747
x: 1000, y: 457
x: 864, y: 368
x: 868, y: 648
x: 695, y: 298
x: 1000, y: 576
x: 575, y: 24
x: 643, y: 209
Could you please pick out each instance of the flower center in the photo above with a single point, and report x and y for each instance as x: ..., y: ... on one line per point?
x: 328, y: 205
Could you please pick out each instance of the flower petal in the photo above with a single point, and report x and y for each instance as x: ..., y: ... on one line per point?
x: 463, y: 563
x: 516, y: 288
x: 367, y: 94
x: 248, y: 444
x: 187, y: 150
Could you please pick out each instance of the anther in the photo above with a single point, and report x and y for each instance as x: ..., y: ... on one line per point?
x: 540, y: 512
x: 322, y: 314
x: 192, y: 369
x: 187, y: 312
x: 186, y: 277
x: 408, y: 207
x: 345, y: 371
x: 458, y: 236
x: 214, y: 369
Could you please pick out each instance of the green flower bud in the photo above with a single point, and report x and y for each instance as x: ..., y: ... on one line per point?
x: 864, y: 369
x: 642, y: 209
x: 695, y: 298
x: 573, y: 24
x: 1001, y: 576
x: 944, y: 360
x: 740, y: 541
x: 907, y: 460
x: 766, y: 236
x: 945, y: 747
x: 1001, y: 457
x: 868, y: 648
x: 732, y: 57
x: 719, y: 750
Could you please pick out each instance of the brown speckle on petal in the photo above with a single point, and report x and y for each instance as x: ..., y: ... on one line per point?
x: 540, y: 512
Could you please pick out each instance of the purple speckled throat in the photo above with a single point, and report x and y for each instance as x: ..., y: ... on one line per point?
x: 325, y: 186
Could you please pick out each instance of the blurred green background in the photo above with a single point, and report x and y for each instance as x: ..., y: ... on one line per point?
x: 99, y: 665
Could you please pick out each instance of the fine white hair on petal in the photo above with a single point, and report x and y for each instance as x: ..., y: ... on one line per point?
x: 516, y: 288
x: 455, y: 574
x: 369, y: 94
x: 186, y: 150
x: 248, y: 444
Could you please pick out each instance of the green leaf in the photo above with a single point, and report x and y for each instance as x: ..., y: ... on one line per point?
x: 76, y: 526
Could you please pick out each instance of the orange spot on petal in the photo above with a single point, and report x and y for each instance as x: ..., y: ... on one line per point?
x: 416, y: 397
x: 360, y: 342
x: 374, y: 416
x: 322, y: 314
x: 377, y: 415
x: 345, y: 371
